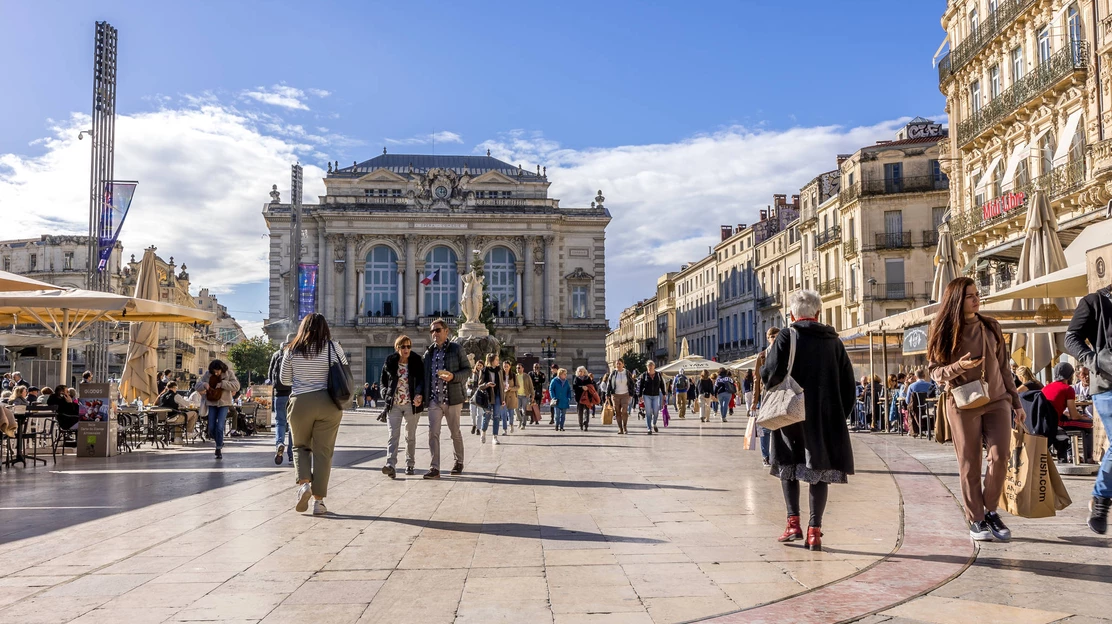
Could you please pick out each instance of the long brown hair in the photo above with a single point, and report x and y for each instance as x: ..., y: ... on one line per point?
x: 312, y: 336
x: 948, y: 323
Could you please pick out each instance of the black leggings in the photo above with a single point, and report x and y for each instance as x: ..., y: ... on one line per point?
x: 817, y: 492
x: 584, y: 415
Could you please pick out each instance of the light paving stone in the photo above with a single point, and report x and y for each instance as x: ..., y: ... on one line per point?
x: 665, y: 610
x: 320, y: 613
x: 595, y: 599
x: 950, y: 611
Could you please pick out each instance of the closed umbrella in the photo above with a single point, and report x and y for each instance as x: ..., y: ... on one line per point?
x: 140, y: 376
x: 945, y: 262
x: 1042, y: 255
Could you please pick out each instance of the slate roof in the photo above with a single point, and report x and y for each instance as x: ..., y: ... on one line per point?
x: 400, y: 163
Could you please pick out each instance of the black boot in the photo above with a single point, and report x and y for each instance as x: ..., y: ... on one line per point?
x: 1098, y: 514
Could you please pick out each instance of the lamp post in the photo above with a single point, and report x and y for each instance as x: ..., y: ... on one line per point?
x: 872, y: 286
x: 548, y: 349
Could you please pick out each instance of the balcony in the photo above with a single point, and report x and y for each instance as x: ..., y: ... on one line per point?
x: 808, y: 216
x: 829, y: 237
x: 892, y: 240
x: 986, y: 31
x: 891, y: 291
x: 425, y: 321
x: 770, y: 301
x: 930, y: 238
x: 1057, y: 182
x: 508, y: 321
x: 852, y: 296
x: 830, y: 287
x: 1061, y: 65
x: 893, y: 186
x: 849, y: 248
x: 379, y: 321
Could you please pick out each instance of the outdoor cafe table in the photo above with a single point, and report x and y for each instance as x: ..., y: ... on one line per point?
x: 150, y: 417
x: 22, y: 420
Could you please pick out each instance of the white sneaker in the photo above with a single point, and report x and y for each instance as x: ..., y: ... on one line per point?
x: 318, y: 508
x: 483, y: 438
x: 303, y: 494
x: 495, y: 440
x: 511, y: 428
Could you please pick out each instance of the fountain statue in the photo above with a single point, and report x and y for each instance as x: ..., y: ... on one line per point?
x: 473, y: 335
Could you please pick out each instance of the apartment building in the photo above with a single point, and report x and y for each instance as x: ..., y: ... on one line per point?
x: 738, y: 288
x: 697, y: 306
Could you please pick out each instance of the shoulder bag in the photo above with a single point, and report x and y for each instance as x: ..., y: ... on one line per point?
x: 782, y: 404
x: 975, y: 393
x: 340, y: 383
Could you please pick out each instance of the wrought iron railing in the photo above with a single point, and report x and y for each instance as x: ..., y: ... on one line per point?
x: 893, y: 240
x: 849, y: 248
x: 508, y: 321
x: 892, y: 186
x: 1006, y: 12
x: 807, y: 216
x: 769, y: 301
x: 829, y: 236
x: 1071, y: 58
x: 425, y: 321
x: 830, y: 287
x: 930, y: 238
x: 851, y: 295
x: 1055, y: 183
x: 894, y: 290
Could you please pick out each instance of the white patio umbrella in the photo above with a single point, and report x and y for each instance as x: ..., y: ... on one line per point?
x: 1042, y: 254
x: 945, y: 262
x: 12, y: 281
x: 140, y: 376
x: 688, y: 362
x: 65, y: 313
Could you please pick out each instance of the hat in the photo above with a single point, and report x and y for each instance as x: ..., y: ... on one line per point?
x: 1063, y: 371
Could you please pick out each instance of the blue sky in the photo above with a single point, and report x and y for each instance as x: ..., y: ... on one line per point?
x: 719, y: 104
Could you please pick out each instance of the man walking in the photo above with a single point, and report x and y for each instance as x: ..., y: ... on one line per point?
x: 680, y: 385
x: 283, y: 436
x: 540, y: 382
x: 445, y: 373
x: 403, y: 378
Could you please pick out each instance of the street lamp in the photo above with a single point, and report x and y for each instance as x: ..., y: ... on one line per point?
x: 548, y: 349
x: 872, y: 286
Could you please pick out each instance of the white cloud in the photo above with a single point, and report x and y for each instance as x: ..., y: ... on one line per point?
x: 668, y: 199
x: 321, y: 93
x: 444, y: 136
x: 204, y: 176
x: 280, y: 95
x: 252, y: 328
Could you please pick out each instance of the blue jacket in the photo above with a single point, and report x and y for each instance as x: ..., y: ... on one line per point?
x: 560, y: 392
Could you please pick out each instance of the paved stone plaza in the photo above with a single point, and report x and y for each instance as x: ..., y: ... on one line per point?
x: 546, y: 527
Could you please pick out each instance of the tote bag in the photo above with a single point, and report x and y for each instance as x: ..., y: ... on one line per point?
x: 783, y: 404
x: 1032, y: 486
x: 341, y: 386
x: 608, y: 413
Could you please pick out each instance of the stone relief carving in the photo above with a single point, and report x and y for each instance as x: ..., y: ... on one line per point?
x: 579, y: 274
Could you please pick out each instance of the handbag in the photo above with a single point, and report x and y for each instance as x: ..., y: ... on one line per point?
x: 783, y: 404
x: 608, y: 413
x: 975, y: 393
x: 341, y: 386
x: 664, y: 415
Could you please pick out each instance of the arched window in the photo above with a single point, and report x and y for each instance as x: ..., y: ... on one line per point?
x: 380, y: 277
x: 442, y: 293
x: 500, y: 269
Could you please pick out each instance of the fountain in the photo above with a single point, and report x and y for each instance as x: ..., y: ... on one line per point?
x: 473, y: 335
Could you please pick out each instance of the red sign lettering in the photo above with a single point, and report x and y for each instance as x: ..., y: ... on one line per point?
x: 1000, y: 205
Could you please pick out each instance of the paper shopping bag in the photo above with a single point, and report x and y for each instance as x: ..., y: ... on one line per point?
x: 608, y: 414
x: 1032, y: 487
x: 750, y: 431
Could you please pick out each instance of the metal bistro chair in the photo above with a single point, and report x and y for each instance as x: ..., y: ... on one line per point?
x: 124, y: 426
x: 924, y: 416
x: 250, y: 411
x: 41, y: 427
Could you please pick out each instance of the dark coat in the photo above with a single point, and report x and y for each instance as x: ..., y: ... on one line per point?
x: 822, y: 368
x: 1092, y: 322
x: 389, y: 379
x: 650, y: 386
x: 579, y: 385
x: 455, y: 362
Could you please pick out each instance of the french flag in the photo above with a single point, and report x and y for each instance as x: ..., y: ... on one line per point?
x: 431, y: 277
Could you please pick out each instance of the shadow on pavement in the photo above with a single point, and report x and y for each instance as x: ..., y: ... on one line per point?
x: 538, y: 531
x: 487, y: 477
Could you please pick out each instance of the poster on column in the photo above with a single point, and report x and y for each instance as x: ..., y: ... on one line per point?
x: 306, y: 290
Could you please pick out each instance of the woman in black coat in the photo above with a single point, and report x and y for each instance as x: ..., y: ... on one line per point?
x: 818, y: 449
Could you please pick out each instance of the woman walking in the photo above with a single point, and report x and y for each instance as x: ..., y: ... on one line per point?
x: 724, y: 389
x: 621, y: 389
x: 524, y: 395
x: 403, y: 380
x: 964, y: 347
x: 510, y: 386
x: 314, y: 417
x: 818, y: 449
x: 217, y: 387
x: 650, y: 387
x: 561, y: 396
x: 473, y: 383
x: 586, y: 396
x: 706, y: 391
x: 492, y: 385
x: 747, y: 390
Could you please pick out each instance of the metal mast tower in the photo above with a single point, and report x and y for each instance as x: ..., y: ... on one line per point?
x: 103, y: 135
x: 295, y: 244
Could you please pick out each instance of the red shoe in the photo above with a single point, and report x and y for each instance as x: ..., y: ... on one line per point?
x: 814, y: 538
x: 793, y: 532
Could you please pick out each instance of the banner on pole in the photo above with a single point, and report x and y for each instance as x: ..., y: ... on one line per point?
x: 306, y: 290
x: 117, y: 200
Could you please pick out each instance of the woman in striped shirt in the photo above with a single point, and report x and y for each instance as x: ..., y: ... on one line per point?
x: 314, y: 418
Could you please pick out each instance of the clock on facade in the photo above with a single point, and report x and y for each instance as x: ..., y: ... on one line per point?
x: 441, y: 192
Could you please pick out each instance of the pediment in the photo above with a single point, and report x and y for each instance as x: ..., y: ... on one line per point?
x: 493, y: 177
x: 383, y: 175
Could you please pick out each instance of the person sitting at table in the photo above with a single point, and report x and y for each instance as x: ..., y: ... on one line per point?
x: 183, y: 412
x: 1062, y: 396
x: 67, y: 410
x: 6, y: 397
x: 44, y: 396
x: 19, y: 396
x: 1027, y: 380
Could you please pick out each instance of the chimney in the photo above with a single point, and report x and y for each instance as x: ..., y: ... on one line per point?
x: 740, y: 227
x: 764, y: 214
x: 727, y: 232
x: 842, y: 158
x: 795, y: 200
x: 779, y: 199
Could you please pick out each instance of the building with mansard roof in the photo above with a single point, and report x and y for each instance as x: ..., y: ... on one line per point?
x: 392, y: 236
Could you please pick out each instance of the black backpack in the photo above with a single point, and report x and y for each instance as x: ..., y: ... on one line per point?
x: 280, y: 389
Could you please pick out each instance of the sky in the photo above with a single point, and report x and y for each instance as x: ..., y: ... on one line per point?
x: 687, y: 115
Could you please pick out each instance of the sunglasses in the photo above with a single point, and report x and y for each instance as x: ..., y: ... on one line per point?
x: 405, y: 347
x: 436, y: 330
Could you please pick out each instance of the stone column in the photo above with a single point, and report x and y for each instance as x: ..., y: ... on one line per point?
x: 410, y: 278
x: 401, y: 292
x: 520, y: 300
x: 329, y: 286
x: 419, y: 271
x: 526, y: 298
x: 322, y: 273
x: 551, y: 283
x: 349, y: 275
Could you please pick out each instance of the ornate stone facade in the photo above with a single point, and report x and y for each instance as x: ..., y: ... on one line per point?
x: 387, y: 226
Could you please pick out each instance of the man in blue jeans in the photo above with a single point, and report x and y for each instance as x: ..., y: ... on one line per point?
x: 1088, y: 339
x: 651, y: 390
x: 283, y: 437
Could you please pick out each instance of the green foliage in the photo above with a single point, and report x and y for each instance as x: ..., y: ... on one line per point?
x: 251, y: 358
x: 634, y: 362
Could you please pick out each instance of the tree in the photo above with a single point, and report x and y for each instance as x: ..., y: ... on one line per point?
x: 251, y: 358
x: 634, y: 361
